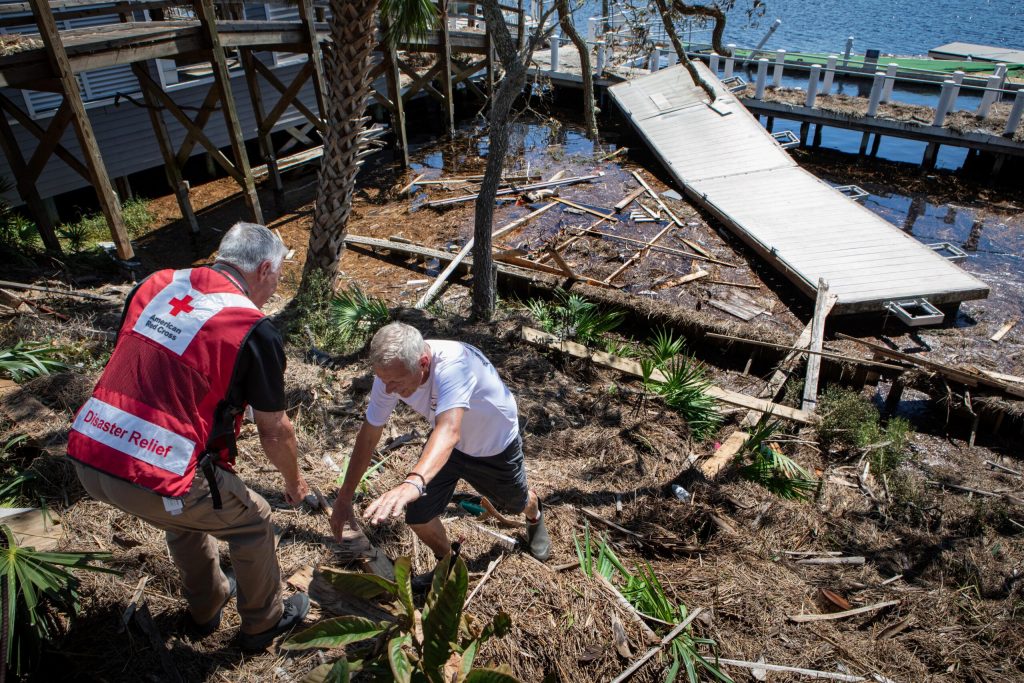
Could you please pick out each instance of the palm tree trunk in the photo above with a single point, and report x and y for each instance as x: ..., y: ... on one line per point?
x: 347, y: 66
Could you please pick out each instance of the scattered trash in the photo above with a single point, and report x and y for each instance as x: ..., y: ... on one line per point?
x: 680, y: 493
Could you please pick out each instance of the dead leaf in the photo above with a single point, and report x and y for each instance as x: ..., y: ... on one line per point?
x: 300, y: 580
x: 833, y: 599
x: 619, y: 636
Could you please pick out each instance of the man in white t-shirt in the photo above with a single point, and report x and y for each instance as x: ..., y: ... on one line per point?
x: 475, y: 437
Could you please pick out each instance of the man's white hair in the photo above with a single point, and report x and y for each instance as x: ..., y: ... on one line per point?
x: 397, y: 341
x: 247, y: 245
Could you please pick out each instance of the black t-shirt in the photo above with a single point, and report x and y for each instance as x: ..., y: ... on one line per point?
x: 258, y: 378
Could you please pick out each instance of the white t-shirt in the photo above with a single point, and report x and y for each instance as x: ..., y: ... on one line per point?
x: 460, y: 377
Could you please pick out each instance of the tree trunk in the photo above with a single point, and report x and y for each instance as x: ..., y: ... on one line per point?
x: 514, y: 61
x: 347, y: 67
x: 589, y: 109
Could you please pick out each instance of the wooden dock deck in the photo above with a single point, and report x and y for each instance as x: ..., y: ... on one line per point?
x: 979, y: 53
x: 729, y: 164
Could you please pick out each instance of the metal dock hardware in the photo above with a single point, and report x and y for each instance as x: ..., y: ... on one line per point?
x: 915, y: 312
x: 949, y: 251
x: 854, y: 192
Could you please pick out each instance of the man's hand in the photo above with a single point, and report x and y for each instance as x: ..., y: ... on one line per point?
x: 295, y: 492
x: 391, y: 504
x: 341, y: 515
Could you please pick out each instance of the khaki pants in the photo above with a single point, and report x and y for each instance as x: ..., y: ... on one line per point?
x: 244, y: 522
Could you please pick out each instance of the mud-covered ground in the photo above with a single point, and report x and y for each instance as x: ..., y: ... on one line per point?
x: 949, y: 560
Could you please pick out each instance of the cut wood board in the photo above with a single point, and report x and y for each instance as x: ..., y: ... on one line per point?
x: 40, y: 529
x: 740, y: 309
x: 720, y: 459
x: 632, y: 367
x: 675, y: 282
x: 1001, y: 332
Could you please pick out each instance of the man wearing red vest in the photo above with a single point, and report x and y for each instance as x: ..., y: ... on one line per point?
x: 157, y: 437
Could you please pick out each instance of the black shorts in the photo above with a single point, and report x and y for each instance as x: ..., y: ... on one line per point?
x: 501, y: 477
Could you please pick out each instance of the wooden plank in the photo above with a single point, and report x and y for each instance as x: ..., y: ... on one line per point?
x: 741, y: 311
x: 163, y: 139
x: 675, y: 282
x: 720, y: 459
x: 252, y: 82
x: 1002, y: 331
x: 656, y: 198
x: 629, y: 199
x: 634, y: 368
x: 803, y: 351
x: 58, y: 59
x: 585, y: 209
x: 26, y: 188
x: 32, y: 527
x: 222, y: 78
x: 822, y: 306
x: 445, y: 58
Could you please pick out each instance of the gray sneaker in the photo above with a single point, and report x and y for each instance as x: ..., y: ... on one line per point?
x: 296, y: 608
x: 537, y: 537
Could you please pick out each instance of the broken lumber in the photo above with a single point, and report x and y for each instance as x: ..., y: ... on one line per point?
x: 987, y: 494
x: 655, y: 197
x: 515, y: 190
x: 527, y: 264
x: 585, y: 209
x: 408, y: 187
x: 672, y: 635
x: 823, y: 304
x: 491, y: 566
x: 33, y: 527
x: 824, y: 354
x: 720, y: 459
x: 133, y: 604
x: 1001, y: 332
x: 1004, y: 469
x: 634, y: 368
x: 955, y: 374
x: 675, y: 282
x: 781, y: 374
x: 833, y: 559
x: 640, y: 254
x: 744, y: 285
x: 805, y: 618
x: 628, y: 199
x: 611, y: 525
x: 655, y: 247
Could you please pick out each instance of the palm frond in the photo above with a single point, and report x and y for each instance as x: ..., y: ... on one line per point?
x: 27, y: 360
x: 356, y: 314
x: 408, y: 19
x: 664, y: 346
x: 774, y: 470
x: 686, y: 390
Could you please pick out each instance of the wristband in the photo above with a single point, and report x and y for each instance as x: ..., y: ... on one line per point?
x: 417, y: 474
x: 416, y: 486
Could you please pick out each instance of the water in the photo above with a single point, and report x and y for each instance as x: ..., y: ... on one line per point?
x: 901, y: 27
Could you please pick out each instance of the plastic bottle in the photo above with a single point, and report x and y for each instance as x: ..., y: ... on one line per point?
x: 681, y: 493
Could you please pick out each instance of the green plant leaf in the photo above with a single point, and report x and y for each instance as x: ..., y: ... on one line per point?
x: 501, y: 674
x: 401, y: 667
x: 334, y: 632
x: 403, y: 583
x: 359, y: 584
x: 339, y: 671
x: 441, y: 623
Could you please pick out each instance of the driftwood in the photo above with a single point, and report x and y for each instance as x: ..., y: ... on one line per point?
x: 59, y: 292
x: 516, y: 190
x: 1008, y: 470
x: 721, y: 458
x: 629, y: 198
x: 811, y: 673
x: 988, y: 494
x: 672, y: 635
x: 1002, y: 331
x: 832, y: 559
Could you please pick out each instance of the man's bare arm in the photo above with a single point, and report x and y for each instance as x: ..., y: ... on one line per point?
x: 366, y: 440
x: 277, y: 436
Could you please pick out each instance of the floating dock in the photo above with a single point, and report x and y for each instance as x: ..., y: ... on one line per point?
x: 978, y: 53
x: 730, y: 165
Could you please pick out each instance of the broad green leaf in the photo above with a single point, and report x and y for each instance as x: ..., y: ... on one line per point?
x: 334, y: 672
x: 334, y: 632
x: 502, y: 674
x: 440, y: 575
x: 359, y: 584
x: 401, y: 667
x: 468, y: 655
x: 403, y: 577
x: 441, y: 624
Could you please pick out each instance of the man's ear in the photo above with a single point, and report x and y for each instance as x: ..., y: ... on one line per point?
x: 263, y: 270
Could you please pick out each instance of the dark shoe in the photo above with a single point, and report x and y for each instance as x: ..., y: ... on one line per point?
x: 421, y: 583
x: 538, y: 539
x: 199, y: 631
x: 296, y: 608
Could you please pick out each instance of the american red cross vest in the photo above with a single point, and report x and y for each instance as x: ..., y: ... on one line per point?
x: 156, y: 406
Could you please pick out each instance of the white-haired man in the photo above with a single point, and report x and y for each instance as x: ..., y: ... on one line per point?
x: 475, y: 438
x: 192, y: 352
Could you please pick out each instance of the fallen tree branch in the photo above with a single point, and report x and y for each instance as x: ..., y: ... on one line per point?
x: 491, y: 566
x: 791, y: 669
x: 635, y: 666
x: 59, y: 292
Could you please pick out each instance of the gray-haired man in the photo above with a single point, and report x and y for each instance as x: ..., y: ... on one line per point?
x: 157, y: 437
x: 475, y: 437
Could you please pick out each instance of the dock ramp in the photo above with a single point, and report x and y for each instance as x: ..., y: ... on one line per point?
x: 730, y: 165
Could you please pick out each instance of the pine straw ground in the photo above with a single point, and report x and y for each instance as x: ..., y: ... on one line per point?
x: 958, y: 616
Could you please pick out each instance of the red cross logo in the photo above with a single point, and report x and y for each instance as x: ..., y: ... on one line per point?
x: 181, y: 305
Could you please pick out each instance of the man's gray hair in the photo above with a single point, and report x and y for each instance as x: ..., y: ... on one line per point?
x: 396, y: 341
x: 247, y: 245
